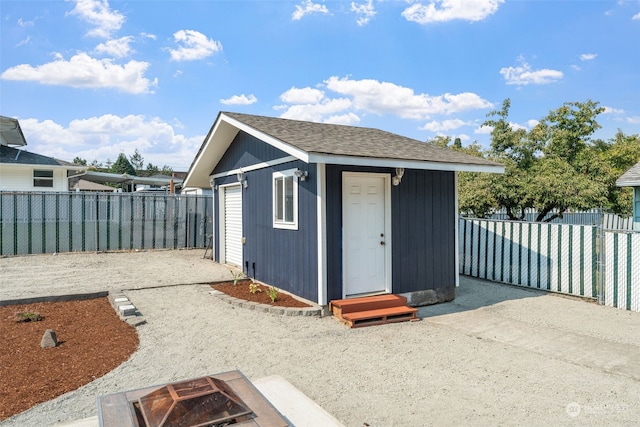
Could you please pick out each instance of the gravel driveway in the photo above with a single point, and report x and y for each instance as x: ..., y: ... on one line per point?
x: 496, y: 355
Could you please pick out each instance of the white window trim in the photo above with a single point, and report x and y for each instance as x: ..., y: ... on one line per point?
x: 43, y: 178
x: 281, y: 224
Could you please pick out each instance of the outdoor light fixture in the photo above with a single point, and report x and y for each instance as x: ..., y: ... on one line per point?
x: 240, y: 175
x: 399, y: 174
x: 212, y: 182
x: 302, y: 175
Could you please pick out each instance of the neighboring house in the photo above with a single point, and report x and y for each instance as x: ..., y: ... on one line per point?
x: 22, y: 170
x: 329, y: 212
x: 129, y: 183
x: 83, y: 185
x: 631, y: 178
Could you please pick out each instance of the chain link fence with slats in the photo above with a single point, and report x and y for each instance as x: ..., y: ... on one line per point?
x: 38, y: 223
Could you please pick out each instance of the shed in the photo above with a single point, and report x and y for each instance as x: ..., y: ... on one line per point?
x: 329, y: 211
x: 631, y: 178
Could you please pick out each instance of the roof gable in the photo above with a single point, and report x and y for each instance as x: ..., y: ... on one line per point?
x: 630, y: 178
x: 328, y: 143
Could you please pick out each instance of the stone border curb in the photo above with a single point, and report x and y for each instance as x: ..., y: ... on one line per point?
x: 125, y: 309
x: 266, y: 308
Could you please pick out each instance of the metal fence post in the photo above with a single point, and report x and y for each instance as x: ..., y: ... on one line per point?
x: 601, y: 264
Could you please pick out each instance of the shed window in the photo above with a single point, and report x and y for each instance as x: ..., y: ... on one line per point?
x: 285, y: 200
x: 43, y: 178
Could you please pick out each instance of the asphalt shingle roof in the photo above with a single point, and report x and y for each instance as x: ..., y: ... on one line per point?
x: 341, y: 140
x: 10, y: 155
x: 630, y: 178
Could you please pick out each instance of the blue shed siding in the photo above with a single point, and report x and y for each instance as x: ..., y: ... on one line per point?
x: 287, y: 259
x: 247, y: 150
x: 422, y: 228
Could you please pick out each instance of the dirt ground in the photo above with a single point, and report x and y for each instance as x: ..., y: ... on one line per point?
x: 497, y: 355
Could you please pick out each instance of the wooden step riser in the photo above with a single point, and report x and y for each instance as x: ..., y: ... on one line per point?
x: 382, y: 320
x: 340, y: 307
x: 367, y: 306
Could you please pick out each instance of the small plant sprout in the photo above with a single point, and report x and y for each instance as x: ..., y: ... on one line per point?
x: 254, y: 288
x: 237, y: 275
x: 27, y: 316
x: 273, y: 293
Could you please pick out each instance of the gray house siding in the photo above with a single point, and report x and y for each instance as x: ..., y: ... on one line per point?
x: 286, y: 259
x: 422, y: 228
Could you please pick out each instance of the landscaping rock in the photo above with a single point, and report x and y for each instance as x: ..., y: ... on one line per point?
x: 49, y: 339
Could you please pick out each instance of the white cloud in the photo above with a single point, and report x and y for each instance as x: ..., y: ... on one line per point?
x: 483, y: 130
x: 24, y: 42
x: 364, y: 11
x: 24, y: 23
x: 193, y: 45
x: 611, y: 110
x: 588, y: 56
x: 148, y: 36
x: 343, y: 119
x: 576, y: 67
x: 388, y: 98
x: 634, y: 120
x: 445, y: 125
x: 305, y: 95
x: 83, y: 71
x: 448, y: 10
x: 118, y: 48
x: 318, y: 111
x: 240, y: 100
x: 522, y: 74
x: 636, y: 17
x: 104, y: 137
x: 517, y: 126
x: 307, y: 7
x: 99, y: 14
x: 341, y: 100
x: 531, y: 123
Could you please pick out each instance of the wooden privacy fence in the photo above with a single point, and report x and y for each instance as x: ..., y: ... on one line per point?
x: 563, y: 258
x: 37, y: 223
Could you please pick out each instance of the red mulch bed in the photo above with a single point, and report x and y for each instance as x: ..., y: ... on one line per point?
x: 92, y: 340
x: 241, y: 291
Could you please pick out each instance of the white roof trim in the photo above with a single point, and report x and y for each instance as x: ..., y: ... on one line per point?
x: 397, y: 163
x: 283, y: 146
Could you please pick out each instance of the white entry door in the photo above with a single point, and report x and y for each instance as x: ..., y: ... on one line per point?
x: 365, y: 234
x: 232, y: 226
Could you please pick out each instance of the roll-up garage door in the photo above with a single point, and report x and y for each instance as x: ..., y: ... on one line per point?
x: 233, y: 225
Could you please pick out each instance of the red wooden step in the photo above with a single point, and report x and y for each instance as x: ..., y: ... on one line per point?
x: 344, y: 306
x: 380, y: 316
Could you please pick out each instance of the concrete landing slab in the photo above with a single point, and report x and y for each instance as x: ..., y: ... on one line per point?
x: 296, y: 406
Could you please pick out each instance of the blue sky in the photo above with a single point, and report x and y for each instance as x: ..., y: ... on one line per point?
x: 94, y: 78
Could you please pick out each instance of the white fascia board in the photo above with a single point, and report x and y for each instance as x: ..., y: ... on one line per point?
x: 280, y: 145
x: 256, y: 166
x: 398, y: 163
x: 223, y: 134
x: 628, y: 183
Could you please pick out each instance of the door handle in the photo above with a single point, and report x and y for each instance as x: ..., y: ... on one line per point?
x: 382, y: 243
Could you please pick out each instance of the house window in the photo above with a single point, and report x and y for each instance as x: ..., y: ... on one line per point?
x: 285, y: 200
x: 43, y: 178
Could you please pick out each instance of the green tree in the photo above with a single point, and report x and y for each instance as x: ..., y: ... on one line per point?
x: 554, y: 166
x: 79, y: 161
x: 122, y: 165
x: 167, y: 170
x: 137, y: 160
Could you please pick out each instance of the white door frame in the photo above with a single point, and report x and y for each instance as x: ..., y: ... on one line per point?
x: 387, y: 227
x: 222, y: 230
